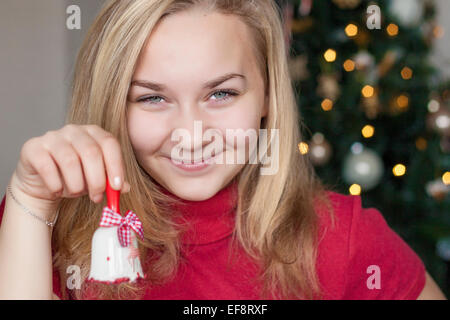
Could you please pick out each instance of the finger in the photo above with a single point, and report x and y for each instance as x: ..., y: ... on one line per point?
x: 92, y: 160
x: 39, y: 159
x: 126, y: 187
x: 68, y: 163
x: 112, y: 155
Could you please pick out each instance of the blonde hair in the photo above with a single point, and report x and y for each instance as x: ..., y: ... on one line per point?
x: 276, y: 221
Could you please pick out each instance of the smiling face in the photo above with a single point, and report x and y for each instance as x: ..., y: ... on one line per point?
x: 195, y: 66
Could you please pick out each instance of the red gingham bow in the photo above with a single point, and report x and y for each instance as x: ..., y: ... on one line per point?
x: 111, y: 218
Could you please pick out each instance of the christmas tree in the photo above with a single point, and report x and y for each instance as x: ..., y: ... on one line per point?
x: 376, y: 112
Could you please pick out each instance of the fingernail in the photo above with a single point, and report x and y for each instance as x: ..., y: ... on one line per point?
x: 117, y: 182
x: 98, y: 197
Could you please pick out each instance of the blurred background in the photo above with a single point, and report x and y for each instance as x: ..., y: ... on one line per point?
x: 373, y: 90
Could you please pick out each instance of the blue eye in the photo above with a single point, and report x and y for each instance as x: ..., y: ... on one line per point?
x: 223, y: 95
x: 149, y: 99
x: 226, y: 94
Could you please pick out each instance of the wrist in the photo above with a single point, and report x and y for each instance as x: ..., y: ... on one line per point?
x: 42, y: 208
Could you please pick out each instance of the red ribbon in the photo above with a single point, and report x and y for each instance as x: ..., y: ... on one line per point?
x: 110, y: 218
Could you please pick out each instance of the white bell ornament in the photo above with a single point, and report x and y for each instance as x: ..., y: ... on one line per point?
x: 115, y: 253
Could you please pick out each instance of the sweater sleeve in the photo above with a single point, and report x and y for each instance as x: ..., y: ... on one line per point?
x: 56, y: 282
x: 380, y: 264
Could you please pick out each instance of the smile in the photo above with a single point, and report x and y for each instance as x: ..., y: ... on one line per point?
x: 195, y: 165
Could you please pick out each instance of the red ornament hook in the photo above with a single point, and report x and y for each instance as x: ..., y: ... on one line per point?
x: 112, y: 197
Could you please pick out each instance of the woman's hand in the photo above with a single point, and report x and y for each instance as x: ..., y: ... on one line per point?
x: 68, y: 163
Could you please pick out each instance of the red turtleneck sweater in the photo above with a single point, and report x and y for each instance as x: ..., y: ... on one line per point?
x: 351, y: 255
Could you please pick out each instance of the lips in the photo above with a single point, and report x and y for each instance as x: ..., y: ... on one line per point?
x: 188, y: 162
x: 193, y: 162
x: 193, y: 167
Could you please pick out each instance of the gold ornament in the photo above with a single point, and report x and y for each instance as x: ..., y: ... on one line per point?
x: 328, y: 86
x: 320, y: 150
x: 362, y: 166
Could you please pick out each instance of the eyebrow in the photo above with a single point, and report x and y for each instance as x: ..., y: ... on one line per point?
x: 208, y: 85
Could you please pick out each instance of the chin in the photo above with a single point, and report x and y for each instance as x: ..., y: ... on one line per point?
x: 194, y: 189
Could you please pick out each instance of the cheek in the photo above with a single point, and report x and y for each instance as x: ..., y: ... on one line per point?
x: 146, y: 132
x: 244, y: 118
x: 246, y: 114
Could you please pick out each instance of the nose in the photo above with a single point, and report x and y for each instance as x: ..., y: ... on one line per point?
x: 187, y: 132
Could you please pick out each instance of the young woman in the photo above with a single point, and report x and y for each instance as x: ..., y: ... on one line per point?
x: 211, y: 230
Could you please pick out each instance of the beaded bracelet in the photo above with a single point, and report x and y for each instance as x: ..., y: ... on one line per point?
x: 48, y: 223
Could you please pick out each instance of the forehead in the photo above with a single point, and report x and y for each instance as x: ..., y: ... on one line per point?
x: 195, y: 41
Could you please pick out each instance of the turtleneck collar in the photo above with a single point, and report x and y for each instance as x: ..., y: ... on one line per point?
x: 208, y: 220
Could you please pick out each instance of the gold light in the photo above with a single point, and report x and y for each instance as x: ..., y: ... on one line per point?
x: 367, y: 91
x: 438, y: 32
x: 399, y: 170
x: 368, y: 131
x: 327, y: 104
x: 392, y: 29
x: 406, y: 73
x: 303, y: 147
x: 330, y: 55
x: 351, y: 30
x: 355, y: 189
x: 349, y: 65
x: 421, y: 143
x: 402, y: 101
x: 446, y: 178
